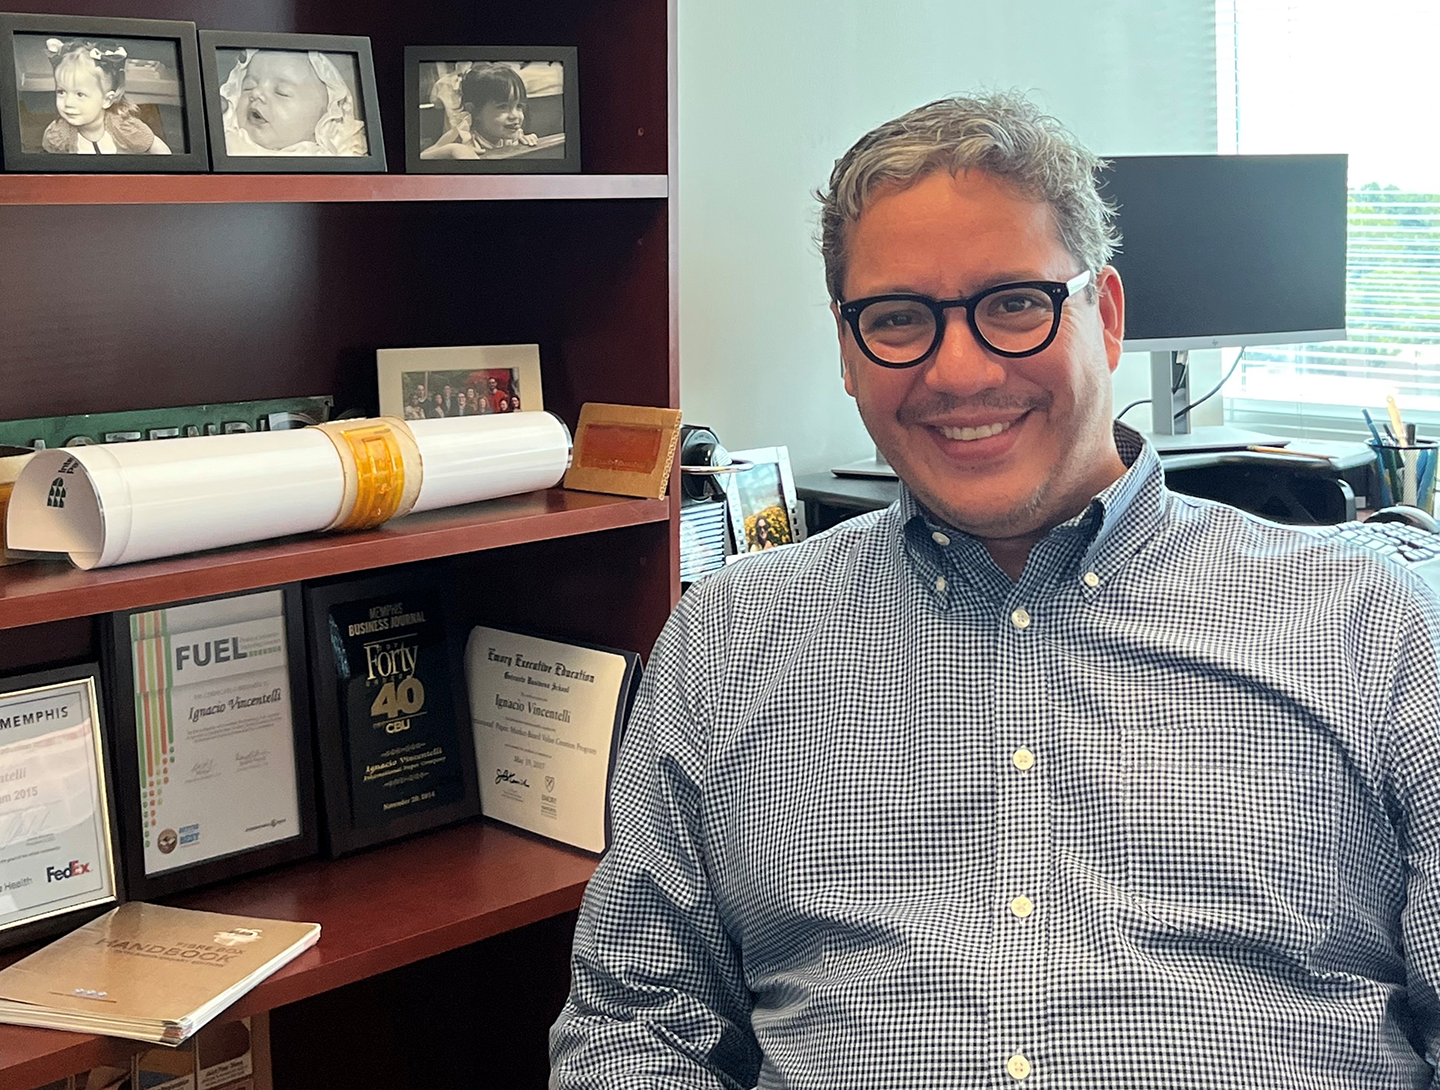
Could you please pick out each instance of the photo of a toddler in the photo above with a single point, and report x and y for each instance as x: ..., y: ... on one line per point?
x: 492, y: 109
x: 77, y: 95
x: 291, y: 103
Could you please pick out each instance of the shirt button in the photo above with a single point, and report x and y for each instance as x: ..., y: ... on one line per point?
x: 1020, y: 619
x: 940, y: 584
x: 1022, y: 907
x: 1018, y: 1067
x: 1023, y: 759
x: 1091, y: 579
x: 940, y: 539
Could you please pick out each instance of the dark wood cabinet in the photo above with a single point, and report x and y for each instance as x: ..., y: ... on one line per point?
x: 137, y: 291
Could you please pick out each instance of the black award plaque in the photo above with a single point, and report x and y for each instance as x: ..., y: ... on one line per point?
x: 396, y: 751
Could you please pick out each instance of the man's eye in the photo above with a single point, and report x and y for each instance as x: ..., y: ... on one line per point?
x: 248, y: 85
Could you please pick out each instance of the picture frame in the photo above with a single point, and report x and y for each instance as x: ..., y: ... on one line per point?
x: 329, y: 121
x: 765, y: 510
x: 497, y: 374
x: 53, y: 724
x: 543, y: 80
x: 132, y: 93
x: 392, y: 727
x: 235, y: 737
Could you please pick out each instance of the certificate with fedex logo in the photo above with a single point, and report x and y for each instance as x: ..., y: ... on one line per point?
x: 55, y: 844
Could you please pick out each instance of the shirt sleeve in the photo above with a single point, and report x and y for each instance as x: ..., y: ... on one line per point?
x: 657, y: 996
x: 1414, y: 804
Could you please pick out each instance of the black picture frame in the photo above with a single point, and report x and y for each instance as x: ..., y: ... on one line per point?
x: 419, y: 128
x: 368, y: 107
x: 119, y: 668
x: 418, y: 586
x: 18, y: 128
x: 58, y: 922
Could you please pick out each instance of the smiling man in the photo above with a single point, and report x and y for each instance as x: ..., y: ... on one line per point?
x: 1045, y: 775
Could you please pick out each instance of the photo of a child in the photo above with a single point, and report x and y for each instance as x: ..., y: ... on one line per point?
x: 290, y: 102
x: 98, y: 96
x: 473, y: 109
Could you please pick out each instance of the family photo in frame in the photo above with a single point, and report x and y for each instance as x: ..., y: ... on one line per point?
x: 473, y: 380
x: 491, y: 109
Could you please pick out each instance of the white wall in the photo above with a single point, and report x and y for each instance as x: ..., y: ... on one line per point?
x: 773, y: 91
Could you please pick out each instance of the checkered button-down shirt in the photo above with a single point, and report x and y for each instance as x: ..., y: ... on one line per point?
x: 1164, y: 813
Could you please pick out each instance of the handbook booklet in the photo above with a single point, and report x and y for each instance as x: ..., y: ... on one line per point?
x: 148, y: 972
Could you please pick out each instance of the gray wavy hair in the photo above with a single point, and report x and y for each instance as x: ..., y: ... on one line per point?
x: 1002, y: 133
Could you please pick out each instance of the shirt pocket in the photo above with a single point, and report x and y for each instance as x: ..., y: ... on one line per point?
x: 1229, y: 821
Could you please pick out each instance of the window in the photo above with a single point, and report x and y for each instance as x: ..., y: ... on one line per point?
x: 1312, y: 76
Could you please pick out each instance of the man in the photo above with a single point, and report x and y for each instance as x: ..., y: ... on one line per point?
x: 1045, y: 773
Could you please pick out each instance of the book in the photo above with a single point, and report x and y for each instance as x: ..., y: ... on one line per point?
x: 148, y: 972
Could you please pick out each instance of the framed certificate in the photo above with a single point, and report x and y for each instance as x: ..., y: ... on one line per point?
x: 211, y: 709
x: 547, y: 719
x: 57, y: 859
x: 393, y: 737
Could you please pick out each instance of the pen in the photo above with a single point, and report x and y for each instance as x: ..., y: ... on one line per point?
x: 1370, y: 423
x: 1290, y: 453
x: 1395, y: 422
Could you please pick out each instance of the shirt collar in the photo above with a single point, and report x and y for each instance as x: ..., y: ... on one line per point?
x: 1114, y: 525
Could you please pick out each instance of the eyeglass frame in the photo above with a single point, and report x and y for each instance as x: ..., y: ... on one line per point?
x: 1058, y: 290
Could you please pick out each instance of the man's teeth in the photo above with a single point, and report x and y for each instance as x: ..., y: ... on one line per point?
x: 985, y: 431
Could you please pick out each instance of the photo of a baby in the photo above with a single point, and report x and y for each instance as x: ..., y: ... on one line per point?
x: 98, y: 96
x: 290, y: 102
x: 470, y: 110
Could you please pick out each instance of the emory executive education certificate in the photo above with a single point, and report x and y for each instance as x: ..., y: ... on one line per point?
x: 55, y: 851
x: 214, y: 733
x: 547, y: 718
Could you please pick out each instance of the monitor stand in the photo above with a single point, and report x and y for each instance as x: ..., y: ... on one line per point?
x: 866, y: 467
x: 1170, y: 394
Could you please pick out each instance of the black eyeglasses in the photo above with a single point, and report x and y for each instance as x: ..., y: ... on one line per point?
x: 1012, y: 320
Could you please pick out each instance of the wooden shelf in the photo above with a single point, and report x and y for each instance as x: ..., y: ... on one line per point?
x: 73, y: 189
x: 378, y: 911
x: 47, y: 590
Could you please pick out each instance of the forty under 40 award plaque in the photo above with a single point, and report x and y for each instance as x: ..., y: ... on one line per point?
x: 391, y: 717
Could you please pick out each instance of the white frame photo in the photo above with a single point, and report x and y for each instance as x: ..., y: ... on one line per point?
x: 740, y: 501
x: 394, y: 364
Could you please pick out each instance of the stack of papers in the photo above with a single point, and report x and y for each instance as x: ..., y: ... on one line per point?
x: 148, y: 972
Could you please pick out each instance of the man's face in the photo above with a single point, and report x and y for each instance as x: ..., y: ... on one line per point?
x: 1052, y: 449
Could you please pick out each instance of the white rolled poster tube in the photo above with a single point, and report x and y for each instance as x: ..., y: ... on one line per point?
x: 119, y: 503
x: 471, y: 458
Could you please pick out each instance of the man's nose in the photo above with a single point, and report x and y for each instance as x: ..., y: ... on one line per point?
x: 960, y: 364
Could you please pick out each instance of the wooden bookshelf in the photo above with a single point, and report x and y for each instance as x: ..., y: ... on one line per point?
x: 204, y: 288
x: 118, y: 189
x: 52, y: 590
x: 463, y: 885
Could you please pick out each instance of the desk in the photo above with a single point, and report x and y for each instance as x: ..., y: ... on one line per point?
x: 1281, y: 487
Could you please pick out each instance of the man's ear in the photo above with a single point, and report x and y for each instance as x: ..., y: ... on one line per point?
x: 1110, y: 299
x: 840, y: 329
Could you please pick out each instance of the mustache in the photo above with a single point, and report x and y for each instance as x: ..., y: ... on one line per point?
x: 932, y: 406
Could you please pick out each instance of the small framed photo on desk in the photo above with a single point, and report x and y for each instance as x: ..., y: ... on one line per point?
x: 765, y: 510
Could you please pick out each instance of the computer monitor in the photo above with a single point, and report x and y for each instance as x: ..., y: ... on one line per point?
x: 1224, y: 251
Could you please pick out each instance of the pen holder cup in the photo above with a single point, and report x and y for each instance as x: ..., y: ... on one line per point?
x: 1406, y: 472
